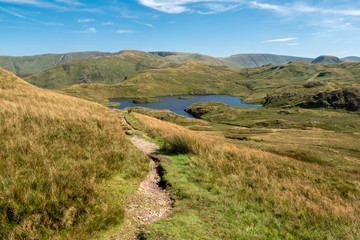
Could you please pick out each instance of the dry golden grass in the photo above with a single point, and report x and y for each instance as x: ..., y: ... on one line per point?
x: 56, y: 155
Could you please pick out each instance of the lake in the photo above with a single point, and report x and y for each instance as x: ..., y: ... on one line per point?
x: 176, y: 105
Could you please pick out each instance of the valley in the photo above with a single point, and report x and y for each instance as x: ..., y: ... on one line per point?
x: 287, y: 170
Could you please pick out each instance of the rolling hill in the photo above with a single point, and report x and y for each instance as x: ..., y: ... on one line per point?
x: 327, y: 59
x: 27, y: 65
x: 109, y: 69
x: 186, y: 78
x: 236, y: 61
x: 258, y: 60
x: 183, y: 57
x: 351, y: 59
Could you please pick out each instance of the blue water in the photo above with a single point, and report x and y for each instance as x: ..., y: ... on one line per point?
x: 176, y: 105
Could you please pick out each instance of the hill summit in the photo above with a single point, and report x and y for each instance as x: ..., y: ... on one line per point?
x: 327, y: 59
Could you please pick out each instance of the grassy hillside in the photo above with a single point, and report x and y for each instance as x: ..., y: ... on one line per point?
x: 235, y: 61
x: 183, y: 57
x: 109, y: 70
x: 187, y: 78
x: 282, y: 118
x: 351, y: 59
x: 327, y: 59
x: 27, y: 65
x: 66, y: 167
x: 299, y: 78
x: 320, y: 85
x: 258, y: 60
x: 271, y: 183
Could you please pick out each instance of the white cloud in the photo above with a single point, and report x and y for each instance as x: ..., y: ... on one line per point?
x: 215, y: 6
x: 298, y: 8
x: 63, y: 5
x: 70, y: 2
x: 124, y: 31
x: 280, y: 40
x: 107, y: 23
x: 33, y: 2
x: 166, y: 6
x: 334, y: 24
x: 89, y: 30
x: 53, y: 24
x: 146, y: 24
x: 36, y: 3
x: 212, y: 8
x: 12, y: 12
x: 85, y: 20
x: 265, y: 6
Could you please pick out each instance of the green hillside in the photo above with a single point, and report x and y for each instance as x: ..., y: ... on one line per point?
x: 186, y: 78
x: 258, y: 60
x: 66, y: 167
x: 236, y: 61
x: 183, y: 57
x: 319, y: 86
x: 351, y: 59
x: 327, y: 59
x: 24, y: 66
x: 109, y: 69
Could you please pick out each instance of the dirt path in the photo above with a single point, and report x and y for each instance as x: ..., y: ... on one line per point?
x: 150, y: 202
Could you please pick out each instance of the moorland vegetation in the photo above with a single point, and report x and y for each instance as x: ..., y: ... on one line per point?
x: 288, y: 170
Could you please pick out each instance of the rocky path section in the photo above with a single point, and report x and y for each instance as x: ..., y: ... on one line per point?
x: 151, y: 202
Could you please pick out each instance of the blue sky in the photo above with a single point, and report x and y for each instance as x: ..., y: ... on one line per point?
x: 218, y: 28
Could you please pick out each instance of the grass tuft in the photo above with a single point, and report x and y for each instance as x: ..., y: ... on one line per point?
x: 178, y: 145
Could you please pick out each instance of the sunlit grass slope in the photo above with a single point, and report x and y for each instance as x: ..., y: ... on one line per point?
x: 224, y: 189
x: 186, y: 78
x: 109, y: 69
x: 66, y: 166
x: 235, y: 61
x: 296, y: 81
x: 325, y: 137
x: 26, y: 65
x: 281, y: 118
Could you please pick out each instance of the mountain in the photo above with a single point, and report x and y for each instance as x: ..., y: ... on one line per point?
x: 257, y: 60
x: 351, y: 59
x: 61, y: 161
x: 327, y: 59
x: 183, y: 57
x: 27, y: 65
x: 109, y: 69
x: 236, y: 61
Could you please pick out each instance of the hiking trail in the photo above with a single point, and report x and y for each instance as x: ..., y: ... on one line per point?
x: 150, y: 202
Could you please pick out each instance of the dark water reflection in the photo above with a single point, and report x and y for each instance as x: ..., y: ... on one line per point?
x: 176, y: 105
